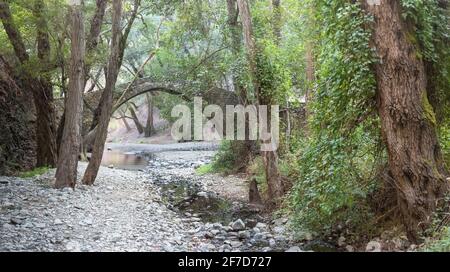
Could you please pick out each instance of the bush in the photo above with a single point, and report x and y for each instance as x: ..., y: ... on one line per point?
x: 441, y: 243
x: 232, y: 157
x: 204, y: 169
x: 334, y: 178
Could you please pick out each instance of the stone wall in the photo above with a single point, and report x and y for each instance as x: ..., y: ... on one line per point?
x: 16, y: 120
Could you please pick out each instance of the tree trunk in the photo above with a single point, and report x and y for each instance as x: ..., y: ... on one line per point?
x: 66, y: 173
x: 276, y: 21
x: 91, y: 46
x: 407, y: 119
x: 233, y: 15
x: 136, y: 121
x: 45, y: 122
x: 113, y: 70
x: 310, y: 75
x: 94, y: 33
x: 124, y: 120
x: 122, y: 47
x: 149, y: 128
x: 243, y: 150
x: 253, y: 193
x: 270, y: 158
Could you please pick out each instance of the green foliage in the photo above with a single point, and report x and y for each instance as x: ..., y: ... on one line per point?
x: 335, y: 177
x: 165, y: 103
x: 35, y: 172
x: 441, y: 243
x: 273, y: 76
x: 230, y: 157
x: 432, y: 30
x: 445, y: 142
x: 335, y: 168
x: 205, y: 169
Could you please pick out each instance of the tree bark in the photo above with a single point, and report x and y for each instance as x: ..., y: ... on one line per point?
x: 243, y: 149
x: 91, y: 46
x: 124, y: 120
x: 149, y: 128
x: 66, y: 173
x: 13, y: 33
x: 45, y: 122
x: 136, y: 121
x: 122, y: 46
x: 310, y: 72
x: 96, y: 26
x: 111, y: 78
x: 407, y: 119
x: 276, y: 22
x: 270, y: 158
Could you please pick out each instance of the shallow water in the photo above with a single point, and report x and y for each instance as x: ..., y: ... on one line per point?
x: 125, y: 161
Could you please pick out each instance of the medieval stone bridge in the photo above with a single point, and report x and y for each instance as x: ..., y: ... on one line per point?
x: 216, y: 96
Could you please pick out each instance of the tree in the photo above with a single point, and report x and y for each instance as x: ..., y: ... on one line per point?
x: 132, y: 107
x: 408, y: 120
x: 124, y: 119
x: 66, y: 173
x: 270, y: 158
x: 91, y: 46
x: 149, y: 128
x: 122, y: 47
x: 106, y: 108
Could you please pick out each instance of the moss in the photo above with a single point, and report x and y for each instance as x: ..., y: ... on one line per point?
x: 35, y: 172
x: 428, y: 109
x: 204, y: 169
x: 412, y: 39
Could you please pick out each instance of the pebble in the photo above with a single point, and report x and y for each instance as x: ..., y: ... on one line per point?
x: 341, y: 241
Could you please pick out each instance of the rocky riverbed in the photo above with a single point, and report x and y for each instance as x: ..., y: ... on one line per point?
x: 166, y: 207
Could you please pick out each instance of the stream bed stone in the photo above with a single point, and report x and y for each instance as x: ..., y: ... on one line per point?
x: 165, y: 208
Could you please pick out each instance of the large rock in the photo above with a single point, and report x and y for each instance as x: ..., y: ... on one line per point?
x: 238, y: 225
x: 294, y: 249
x: 373, y: 246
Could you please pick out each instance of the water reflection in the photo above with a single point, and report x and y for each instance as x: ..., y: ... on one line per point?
x: 125, y: 161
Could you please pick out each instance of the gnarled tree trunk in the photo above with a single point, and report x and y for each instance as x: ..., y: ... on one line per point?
x: 407, y: 118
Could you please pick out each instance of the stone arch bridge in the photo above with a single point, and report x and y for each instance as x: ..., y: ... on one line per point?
x: 142, y: 86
